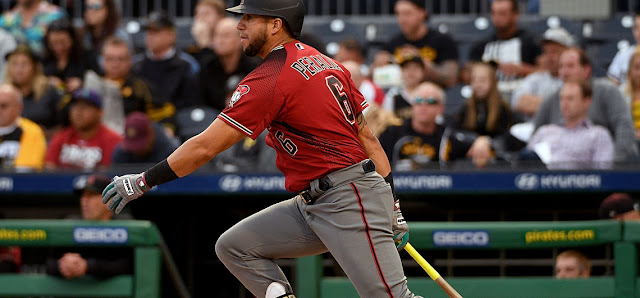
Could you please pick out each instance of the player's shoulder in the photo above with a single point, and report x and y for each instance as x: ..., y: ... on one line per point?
x: 305, y: 62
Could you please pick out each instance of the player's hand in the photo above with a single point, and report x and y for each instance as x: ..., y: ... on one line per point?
x: 123, y: 190
x: 399, y: 227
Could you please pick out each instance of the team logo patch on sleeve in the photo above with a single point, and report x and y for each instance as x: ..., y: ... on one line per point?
x: 240, y: 91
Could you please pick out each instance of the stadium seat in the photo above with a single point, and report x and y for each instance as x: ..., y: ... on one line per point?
x: 601, y: 55
x: 193, y: 120
x: 456, y: 97
x: 537, y: 25
x: 464, y: 28
x: 615, y: 28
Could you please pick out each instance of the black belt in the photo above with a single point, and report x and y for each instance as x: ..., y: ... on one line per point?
x: 325, y: 183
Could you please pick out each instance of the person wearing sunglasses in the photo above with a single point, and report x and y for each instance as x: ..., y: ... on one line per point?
x: 422, y: 140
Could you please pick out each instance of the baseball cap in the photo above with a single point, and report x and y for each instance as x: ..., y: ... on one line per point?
x: 410, y: 58
x: 616, y: 204
x: 158, y: 20
x: 89, y: 96
x: 137, y: 131
x: 93, y: 182
x: 558, y: 35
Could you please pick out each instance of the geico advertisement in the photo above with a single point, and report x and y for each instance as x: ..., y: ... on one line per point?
x: 100, y: 235
x: 468, y: 238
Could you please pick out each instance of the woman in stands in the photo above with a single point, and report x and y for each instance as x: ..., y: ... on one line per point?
x: 65, y: 60
x: 631, y: 91
x: 101, y: 20
x: 485, y: 113
x: 24, y: 71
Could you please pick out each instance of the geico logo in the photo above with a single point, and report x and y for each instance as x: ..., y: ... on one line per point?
x: 457, y: 238
x: 100, y: 235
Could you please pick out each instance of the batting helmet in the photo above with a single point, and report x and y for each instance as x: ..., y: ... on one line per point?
x: 291, y: 11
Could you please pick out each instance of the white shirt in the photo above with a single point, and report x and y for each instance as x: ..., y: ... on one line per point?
x: 620, y: 64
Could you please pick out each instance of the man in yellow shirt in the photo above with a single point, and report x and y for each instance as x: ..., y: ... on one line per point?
x: 22, y: 142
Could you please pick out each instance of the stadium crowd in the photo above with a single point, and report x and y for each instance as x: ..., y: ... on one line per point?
x: 87, y: 97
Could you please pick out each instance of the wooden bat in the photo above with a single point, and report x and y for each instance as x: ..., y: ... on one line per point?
x: 451, y: 292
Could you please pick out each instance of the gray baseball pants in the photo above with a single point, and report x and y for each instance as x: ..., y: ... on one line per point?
x: 351, y: 220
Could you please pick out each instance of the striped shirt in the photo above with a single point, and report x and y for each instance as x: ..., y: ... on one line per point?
x: 585, y: 146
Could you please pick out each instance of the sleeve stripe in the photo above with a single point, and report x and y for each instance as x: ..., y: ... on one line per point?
x: 235, y: 123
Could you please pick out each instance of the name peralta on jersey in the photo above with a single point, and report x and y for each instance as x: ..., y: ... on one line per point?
x: 308, y: 103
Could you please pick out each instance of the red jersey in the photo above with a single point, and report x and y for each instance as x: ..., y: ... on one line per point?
x: 308, y: 103
x: 68, y: 150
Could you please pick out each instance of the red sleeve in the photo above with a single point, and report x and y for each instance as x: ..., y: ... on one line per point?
x: 257, y: 99
x: 53, y: 151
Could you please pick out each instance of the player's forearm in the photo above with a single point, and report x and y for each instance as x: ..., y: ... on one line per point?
x: 190, y: 156
x: 375, y: 152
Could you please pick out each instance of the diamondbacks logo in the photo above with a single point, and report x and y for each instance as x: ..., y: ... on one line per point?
x: 240, y: 91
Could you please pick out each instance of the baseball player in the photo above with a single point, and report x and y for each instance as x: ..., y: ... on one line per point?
x: 325, y: 149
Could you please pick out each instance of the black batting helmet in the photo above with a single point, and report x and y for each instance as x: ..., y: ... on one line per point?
x: 291, y: 11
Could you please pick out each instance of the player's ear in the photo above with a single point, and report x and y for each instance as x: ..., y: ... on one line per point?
x: 277, y: 26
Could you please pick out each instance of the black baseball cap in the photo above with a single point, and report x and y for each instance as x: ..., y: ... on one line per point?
x: 93, y: 182
x: 616, y: 204
x: 410, y: 58
x: 158, y: 20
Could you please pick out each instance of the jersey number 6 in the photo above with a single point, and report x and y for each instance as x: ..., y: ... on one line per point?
x: 337, y: 89
x: 286, y: 143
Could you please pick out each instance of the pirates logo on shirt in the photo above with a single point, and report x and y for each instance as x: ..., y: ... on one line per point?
x: 240, y: 91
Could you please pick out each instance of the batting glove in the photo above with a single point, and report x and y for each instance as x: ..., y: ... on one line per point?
x: 123, y: 190
x: 399, y: 227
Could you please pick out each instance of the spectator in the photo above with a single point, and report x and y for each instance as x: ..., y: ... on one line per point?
x: 398, y: 99
x: 371, y: 92
x: 87, y: 143
x: 421, y: 140
x: 631, y: 92
x: 65, y: 61
x: 226, y: 62
x: 10, y: 259
x: 169, y: 73
x: 7, y: 45
x: 102, y: 262
x: 485, y: 113
x: 619, y: 67
x: 101, y: 20
x: 572, y: 264
x: 607, y: 105
x: 538, y: 85
x: 513, y: 48
x: 28, y: 21
x: 438, y: 51
x: 123, y: 93
x: 206, y: 16
x: 144, y: 142
x: 24, y: 71
x: 22, y: 142
x: 577, y: 143
x: 350, y: 50
x: 619, y: 206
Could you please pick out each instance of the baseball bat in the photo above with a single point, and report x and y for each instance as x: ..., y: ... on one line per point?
x: 451, y: 292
